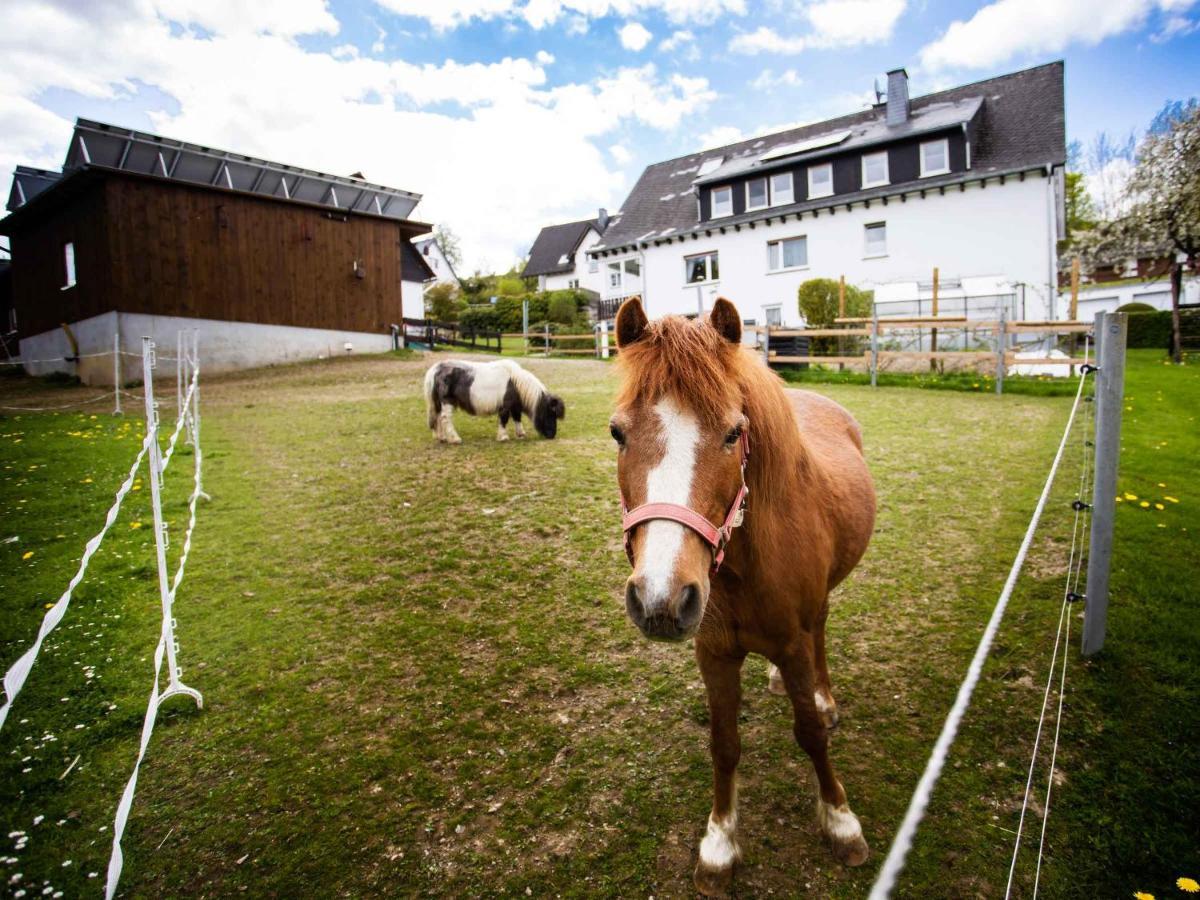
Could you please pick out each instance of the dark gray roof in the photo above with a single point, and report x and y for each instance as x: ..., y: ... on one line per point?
x: 28, y: 182
x: 1021, y: 126
x: 552, y: 252
x: 412, y: 263
x: 95, y: 145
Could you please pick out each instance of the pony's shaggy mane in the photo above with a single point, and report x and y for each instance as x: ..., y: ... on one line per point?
x: 689, y: 361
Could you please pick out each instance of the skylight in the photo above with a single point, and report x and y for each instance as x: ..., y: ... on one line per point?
x: 825, y: 140
x: 710, y: 165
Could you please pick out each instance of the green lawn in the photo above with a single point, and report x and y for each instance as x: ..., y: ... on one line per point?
x: 419, y: 678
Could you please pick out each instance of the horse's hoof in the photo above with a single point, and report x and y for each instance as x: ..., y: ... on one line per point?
x: 454, y: 440
x: 851, y: 853
x: 775, y: 682
x: 503, y: 437
x: 712, y: 882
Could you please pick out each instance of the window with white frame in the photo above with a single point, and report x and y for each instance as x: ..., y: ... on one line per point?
x: 874, y: 169
x: 722, y: 202
x: 633, y: 267
x: 701, y: 268
x: 875, y: 239
x: 614, y: 275
x: 782, y: 192
x: 573, y: 283
x: 68, y: 265
x: 935, y: 157
x: 756, y: 193
x: 773, y: 315
x: 820, y: 180
x: 787, y: 253
x: 593, y: 265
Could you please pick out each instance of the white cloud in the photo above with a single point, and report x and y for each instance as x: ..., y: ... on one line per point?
x: 539, y: 14
x: 767, y: 80
x: 1173, y: 27
x: 577, y: 25
x: 446, y: 14
x: 545, y: 57
x: 620, y: 154
x: 834, y: 23
x: 676, y: 40
x: 1007, y: 28
x: 634, y: 36
x: 283, y: 17
x: 720, y: 136
x: 262, y: 93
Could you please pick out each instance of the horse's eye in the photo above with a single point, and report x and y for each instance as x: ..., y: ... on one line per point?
x: 618, y: 434
x: 734, y: 435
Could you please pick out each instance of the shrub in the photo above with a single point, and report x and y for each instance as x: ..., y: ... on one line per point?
x: 1149, y: 329
x: 510, y: 286
x: 818, y: 300
x: 562, y: 308
x: 442, y: 302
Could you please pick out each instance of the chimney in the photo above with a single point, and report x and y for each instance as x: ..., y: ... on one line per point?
x: 897, y: 97
x: 602, y: 220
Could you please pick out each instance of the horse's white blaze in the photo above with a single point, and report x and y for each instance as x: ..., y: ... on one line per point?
x: 668, y: 482
x: 719, y: 849
x: 838, y: 823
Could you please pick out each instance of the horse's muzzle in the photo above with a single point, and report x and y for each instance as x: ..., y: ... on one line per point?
x: 674, y: 620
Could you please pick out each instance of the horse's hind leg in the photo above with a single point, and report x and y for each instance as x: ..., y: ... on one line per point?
x: 517, y: 422
x: 823, y: 695
x: 838, y: 824
x: 449, y: 435
x: 719, y: 849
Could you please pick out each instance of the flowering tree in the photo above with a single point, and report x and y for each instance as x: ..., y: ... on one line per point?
x: 1162, y: 200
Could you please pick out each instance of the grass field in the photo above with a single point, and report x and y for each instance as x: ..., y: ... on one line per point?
x: 419, y: 678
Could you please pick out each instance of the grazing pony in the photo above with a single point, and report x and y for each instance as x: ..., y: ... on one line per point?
x: 484, y: 388
x: 709, y: 441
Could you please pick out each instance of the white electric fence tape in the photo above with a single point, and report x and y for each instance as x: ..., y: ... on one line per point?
x: 902, y: 842
x: 15, y: 677
x: 179, y: 422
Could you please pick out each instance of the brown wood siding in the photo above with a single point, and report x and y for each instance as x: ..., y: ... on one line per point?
x: 39, y: 269
x: 146, y: 246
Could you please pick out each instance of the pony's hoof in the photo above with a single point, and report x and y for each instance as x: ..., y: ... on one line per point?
x: 502, y: 437
x: 454, y: 440
x: 775, y: 682
x: 712, y: 882
x: 844, y: 832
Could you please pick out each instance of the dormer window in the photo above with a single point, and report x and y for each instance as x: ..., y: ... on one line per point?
x: 820, y: 180
x: 935, y: 158
x: 68, y: 265
x: 722, y: 202
x: 874, y: 169
x: 781, y: 189
x: 756, y: 194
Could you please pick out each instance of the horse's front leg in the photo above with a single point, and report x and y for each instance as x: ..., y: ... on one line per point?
x: 719, y: 849
x: 823, y: 691
x: 449, y: 435
x: 838, y: 824
x: 502, y: 431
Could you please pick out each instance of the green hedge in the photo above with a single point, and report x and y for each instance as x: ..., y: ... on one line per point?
x: 505, y: 314
x: 1150, y: 330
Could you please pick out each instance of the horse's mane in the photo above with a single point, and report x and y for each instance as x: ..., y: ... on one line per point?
x: 527, y: 384
x: 691, y: 362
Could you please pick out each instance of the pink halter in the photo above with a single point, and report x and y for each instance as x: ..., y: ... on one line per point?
x: 715, y: 537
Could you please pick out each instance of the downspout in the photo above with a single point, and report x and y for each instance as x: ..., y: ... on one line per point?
x: 1051, y: 246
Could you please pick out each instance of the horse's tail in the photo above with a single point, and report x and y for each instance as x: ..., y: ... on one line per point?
x: 431, y: 405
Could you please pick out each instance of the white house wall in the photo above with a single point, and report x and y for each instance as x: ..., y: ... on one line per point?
x: 1001, y: 234
x: 224, y: 346
x: 588, y: 280
x: 1111, y: 297
x: 412, y: 299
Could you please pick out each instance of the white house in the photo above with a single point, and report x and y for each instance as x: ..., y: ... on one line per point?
x: 435, y: 259
x: 968, y: 180
x: 559, y: 257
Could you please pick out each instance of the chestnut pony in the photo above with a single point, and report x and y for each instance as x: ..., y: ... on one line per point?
x: 698, y: 418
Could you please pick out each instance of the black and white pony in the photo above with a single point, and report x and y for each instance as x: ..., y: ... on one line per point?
x: 484, y: 388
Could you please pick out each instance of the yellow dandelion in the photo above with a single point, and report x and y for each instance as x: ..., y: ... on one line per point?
x: 1142, y: 895
x: 1188, y: 885
x: 1159, y: 506
x: 28, y: 553
x: 1160, y: 484
x: 1170, y: 499
x: 49, y: 605
x: 1129, y: 496
x: 86, y: 481
x: 1120, y: 499
x: 136, y: 487
x: 1145, y: 504
x: 135, y: 524
x: 1162, y: 524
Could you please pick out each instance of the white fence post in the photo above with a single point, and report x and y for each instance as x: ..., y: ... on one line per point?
x: 1109, y: 398
x: 195, y: 411
x: 174, y: 685
x: 874, y: 344
x: 604, y: 351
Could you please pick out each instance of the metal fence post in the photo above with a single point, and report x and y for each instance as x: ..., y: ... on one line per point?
x: 174, y: 685
x: 874, y: 344
x: 117, y: 372
x: 546, y: 333
x: 1001, y: 349
x: 1109, y: 399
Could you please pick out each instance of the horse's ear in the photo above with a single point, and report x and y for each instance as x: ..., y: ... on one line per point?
x: 631, y: 322
x: 725, y: 318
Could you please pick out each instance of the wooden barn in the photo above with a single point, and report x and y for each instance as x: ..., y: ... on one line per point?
x: 143, y: 235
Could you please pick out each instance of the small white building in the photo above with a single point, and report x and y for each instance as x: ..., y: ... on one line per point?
x: 968, y: 180
x: 559, y: 257
x: 1116, y: 295
x: 441, y: 267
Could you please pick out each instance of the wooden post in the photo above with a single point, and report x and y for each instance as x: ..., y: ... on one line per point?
x: 1109, y: 399
x: 841, y: 315
x: 933, y: 334
x: 874, y: 343
x: 525, y: 324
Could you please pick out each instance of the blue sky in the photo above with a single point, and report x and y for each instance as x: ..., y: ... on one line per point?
x: 511, y: 114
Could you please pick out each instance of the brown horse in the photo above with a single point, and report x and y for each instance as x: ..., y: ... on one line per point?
x: 698, y: 419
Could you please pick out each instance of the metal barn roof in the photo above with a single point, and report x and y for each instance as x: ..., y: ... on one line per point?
x: 98, y: 145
